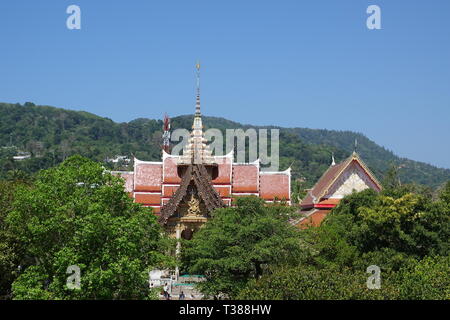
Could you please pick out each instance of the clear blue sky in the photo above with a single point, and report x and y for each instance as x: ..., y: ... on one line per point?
x: 289, y: 63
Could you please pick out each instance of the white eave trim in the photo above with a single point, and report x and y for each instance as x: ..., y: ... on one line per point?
x: 137, y: 162
x: 167, y: 155
x: 120, y: 172
x: 254, y: 163
x: 285, y: 172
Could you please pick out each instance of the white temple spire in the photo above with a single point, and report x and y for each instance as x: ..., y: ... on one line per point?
x: 197, y: 104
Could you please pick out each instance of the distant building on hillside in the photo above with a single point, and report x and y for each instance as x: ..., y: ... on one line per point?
x: 22, y: 156
x: 338, y: 181
x: 118, y: 159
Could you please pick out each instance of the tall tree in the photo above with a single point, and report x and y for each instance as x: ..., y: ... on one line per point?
x: 238, y: 244
x: 77, y: 214
x: 444, y: 194
x: 10, y: 248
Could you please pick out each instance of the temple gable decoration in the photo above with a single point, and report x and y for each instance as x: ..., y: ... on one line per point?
x: 196, y: 186
x: 184, y: 189
x: 338, y: 181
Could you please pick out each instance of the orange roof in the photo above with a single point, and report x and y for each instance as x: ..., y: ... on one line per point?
x: 274, y: 186
x: 169, y: 191
x: 170, y: 170
x: 321, y: 185
x: 148, y: 198
x: 313, y: 219
x: 224, y: 191
x: 225, y: 170
x: 330, y: 201
x: 128, y: 177
x: 245, y: 178
x: 147, y: 176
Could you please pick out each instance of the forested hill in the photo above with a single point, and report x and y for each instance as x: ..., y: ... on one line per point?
x: 52, y: 134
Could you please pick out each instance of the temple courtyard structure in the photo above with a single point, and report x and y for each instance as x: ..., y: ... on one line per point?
x: 183, y: 190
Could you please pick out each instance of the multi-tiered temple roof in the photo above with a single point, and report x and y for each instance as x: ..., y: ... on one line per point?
x: 188, y: 187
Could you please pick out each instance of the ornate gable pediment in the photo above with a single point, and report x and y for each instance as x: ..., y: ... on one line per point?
x: 352, y: 178
x: 195, y: 196
x: 192, y: 206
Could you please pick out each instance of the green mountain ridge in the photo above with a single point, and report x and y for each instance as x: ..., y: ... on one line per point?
x: 51, y: 134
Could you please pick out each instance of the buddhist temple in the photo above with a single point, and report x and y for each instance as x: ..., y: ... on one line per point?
x: 184, y: 189
x: 338, y: 181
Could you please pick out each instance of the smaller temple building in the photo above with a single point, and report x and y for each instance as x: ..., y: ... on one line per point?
x: 338, y: 181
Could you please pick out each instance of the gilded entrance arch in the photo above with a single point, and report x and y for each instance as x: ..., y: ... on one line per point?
x: 190, y: 215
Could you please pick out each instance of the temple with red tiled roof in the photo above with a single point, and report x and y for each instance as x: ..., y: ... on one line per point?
x: 184, y: 189
x: 338, y: 181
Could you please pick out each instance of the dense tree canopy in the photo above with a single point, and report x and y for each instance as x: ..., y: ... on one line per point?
x: 10, y: 248
x: 306, y: 282
x: 406, y: 236
x: 238, y: 244
x: 78, y: 214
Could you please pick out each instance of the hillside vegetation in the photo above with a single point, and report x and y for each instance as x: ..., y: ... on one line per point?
x: 53, y: 134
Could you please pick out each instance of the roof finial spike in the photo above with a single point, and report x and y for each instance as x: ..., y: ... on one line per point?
x: 197, y: 104
x: 333, y: 163
x: 356, y: 146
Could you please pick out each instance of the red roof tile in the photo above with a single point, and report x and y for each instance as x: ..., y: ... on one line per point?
x: 324, y: 181
x: 148, y: 198
x: 245, y: 178
x: 148, y: 177
x: 274, y: 186
x: 314, y: 219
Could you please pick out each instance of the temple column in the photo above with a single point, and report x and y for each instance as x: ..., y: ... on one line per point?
x: 178, y: 230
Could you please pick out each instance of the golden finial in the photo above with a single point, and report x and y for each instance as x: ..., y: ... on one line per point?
x: 198, y: 65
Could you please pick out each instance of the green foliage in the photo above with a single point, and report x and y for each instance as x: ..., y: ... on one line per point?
x: 427, y: 279
x: 410, y: 224
x: 310, y: 283
x: 32, y: 285
x: 444, y: 194
x: 391, y: 179
x: 379, y: 159
x: 10, y: 248
x: 405, y: 234
x: 238, y: 244
x: 77, y: 214
x: 384, y: 230
x: 52, y: 134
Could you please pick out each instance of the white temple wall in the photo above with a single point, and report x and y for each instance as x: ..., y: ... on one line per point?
x: 354, y: 178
